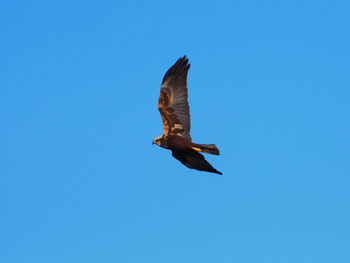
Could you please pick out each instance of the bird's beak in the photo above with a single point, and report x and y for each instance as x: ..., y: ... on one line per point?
x: 152, y: 142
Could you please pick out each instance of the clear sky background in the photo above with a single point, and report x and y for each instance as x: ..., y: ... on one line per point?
x: 79, y: 178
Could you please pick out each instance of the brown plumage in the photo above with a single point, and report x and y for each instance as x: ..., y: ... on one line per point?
x: 175, y: 111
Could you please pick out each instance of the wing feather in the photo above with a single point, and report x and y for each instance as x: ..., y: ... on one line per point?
x: 194, y: 160
x: 173, y: 101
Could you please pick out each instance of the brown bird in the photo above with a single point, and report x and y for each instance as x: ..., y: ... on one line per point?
x: 175, y: 112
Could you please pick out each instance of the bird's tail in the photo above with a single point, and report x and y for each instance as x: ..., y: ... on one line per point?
x: 206, y: 148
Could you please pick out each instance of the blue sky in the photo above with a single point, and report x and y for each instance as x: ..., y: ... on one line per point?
x: 79, y: 178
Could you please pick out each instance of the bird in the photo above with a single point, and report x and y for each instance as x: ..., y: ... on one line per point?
x: 175, y: 112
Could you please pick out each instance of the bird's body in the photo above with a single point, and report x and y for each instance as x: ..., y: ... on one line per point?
x: 174, y: 109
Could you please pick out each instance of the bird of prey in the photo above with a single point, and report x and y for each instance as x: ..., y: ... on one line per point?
x: 174, y: 109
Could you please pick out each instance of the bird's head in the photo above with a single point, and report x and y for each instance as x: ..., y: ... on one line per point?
x: 157, y: 140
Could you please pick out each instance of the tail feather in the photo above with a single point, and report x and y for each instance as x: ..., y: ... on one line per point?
x: 206, y: 148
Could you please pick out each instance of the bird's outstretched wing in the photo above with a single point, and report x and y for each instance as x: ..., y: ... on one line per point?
x: 194, y: 160
x: 173, y: 105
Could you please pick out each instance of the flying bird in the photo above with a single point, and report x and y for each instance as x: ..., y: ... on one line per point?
x: 175, y: 111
